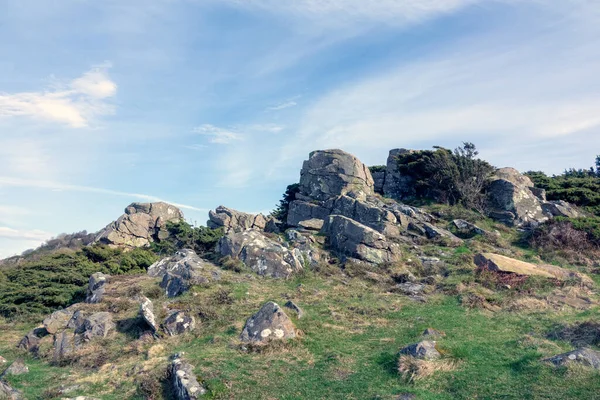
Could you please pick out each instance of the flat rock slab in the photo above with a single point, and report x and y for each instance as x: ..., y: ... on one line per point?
x: 183, y: 379
x: 583, y: 356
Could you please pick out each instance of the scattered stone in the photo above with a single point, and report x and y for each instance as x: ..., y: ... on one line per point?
x: 142, y: 224
x: 31, y: 341
x: 353, y: 239
x: 293, y: 306
x: 467, y: 228
x: 410, y: 289
x: 434, y: 233
x: 424, y: 350
x: 18, y: 367
x: 147, y: 313
x: 7, y: 392
x: 261, y: 254
x: 269, y: 323
x: 433, y: 333
x: 96, y: 288
x: 184, y: 381
x: 583, y: 356
x: 235, y: 221
x: 179, y: 323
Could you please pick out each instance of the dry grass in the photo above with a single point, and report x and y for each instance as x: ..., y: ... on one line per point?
x: 413, y: 369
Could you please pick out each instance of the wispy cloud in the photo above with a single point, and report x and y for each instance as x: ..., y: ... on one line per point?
x: 57, y: 186
x: 34, y: 235
x: 218, y: 135
x: 76, y: 103
x: 282, y: 106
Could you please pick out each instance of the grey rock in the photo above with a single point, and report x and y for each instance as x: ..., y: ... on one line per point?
x: 539, y: 193
x: 311, y: 224
x: 269, y: 323
x: 274, y: 226
x: 8, y: 392
x: 433, y: 333
x: 261, y: 254
x: 142, y: 224
x: 76, y: 320
x: 31, y: 341
x: 18, y: 367
x: 96, y: 288
x: 424, y: 350
x: 583, y: 356
x: 435, y: 233
x: 378, y: 181
x: 331, y: 173
x: 301, y: 210
x: 466, y: 227
x: 96, y: 325
x: 59, y: 320
x: 184, y: 382
x: 368, y: 212
x: 235, y: 221
x: 396, y: 185
x: 295, y: 307
x: 511, y: 200
x: 146, y: 312
x: 353, y: 239
x: 64, y: 345
x: 561, y: 208
x: 409, y: 288
x: 179, y: 323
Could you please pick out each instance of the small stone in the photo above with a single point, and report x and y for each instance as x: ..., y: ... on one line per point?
x: 424, y: 350
x: 293, y: 306
x: 16, y: 368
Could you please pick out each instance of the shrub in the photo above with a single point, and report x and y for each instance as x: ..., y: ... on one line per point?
x: 183, y: 235
x: 281, y: 211
x: 377, y: 168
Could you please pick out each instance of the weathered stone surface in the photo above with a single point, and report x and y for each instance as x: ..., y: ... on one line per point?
x: 435, y: 233
x: 58, y: 320
x: 274, y: 225
x: 184, y: 382
x: 511, y: 200
x: 331, y: 173
x: 269, y: 323
x: 396, y: 185
x: 561, y: 208
x: 424, y: 350
x: 31, y: 341
x: 18, y: 367
x: 96, y: 288
x: 64, y: 345
x: 300, y: 210
x: 142, y: 224
x: 294, y: 307
x: 467, y: 228
x: 235, y: 221
x: 179, y: 323
x: 96, y: 325
x: 147, y: 313
x: 353, y: 239
x: 261, y: 254
x: 409, y: 288
x: 76, y: 320
x: 368, y: 212
x: 378, y: 181
x: 8, y: 392
x: 311, y: 224
x: 583, y: 356
x: 496, y: 262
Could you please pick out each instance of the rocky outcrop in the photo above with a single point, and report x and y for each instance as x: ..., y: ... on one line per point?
x: 96, y: 325
x: 64, y: 345
x: 96, y: 288
x: 499, y: 263
x: 18, y: 367
x: 269, y: 323
x: 179, y: 323
x: 147, y: 313
x: 8, y: 392
x: 235, y: 221
x: 185, y: 385
x: 142, y: 224
x: 352, y: 239
x: 561, y: 208
x: 31, y: 341
x: 424, y: 350
x: 182, y: 270
x: 58, y: 320
x: 396, y: 185
x: 262, y: 255
x: 583, y: 356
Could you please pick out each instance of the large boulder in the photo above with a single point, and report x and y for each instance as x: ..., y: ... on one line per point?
x: 185, y: 385
x: 499, y: 263
x: 234, y: 221
x: 583, y: 356
x: 353, y: 239
x: 96, y: 325
x: 561, y: 208
x: 64, y: 345
x: 58, y: 320
x: 261, y: 254
x: 511, y: 200
x: 96, y: 288
x: 331, y: 173
x: 142, y: 224
x: 8, y: 392
x: 179, y: 323
x: 396, y: 185
x: 269, y: 323
x: 31, y: 341
x: 146, y: 312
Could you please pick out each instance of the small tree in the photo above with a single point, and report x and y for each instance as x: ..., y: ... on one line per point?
x: 281, y: 211
x: 598, y: 165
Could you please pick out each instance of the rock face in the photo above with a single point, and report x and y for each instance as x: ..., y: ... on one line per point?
x: 560, y: 208
x: 511, y: 200
x: 64, y: 345
x: 396, y: 185
x: 31, y: 341
x: 96, y: 288
x: 359, y: 241
x: 234, y: 221
x: 496, y: 262
x: 183, y: 269
x: 261, y: 254
x: 184, y: 382
x: 424, y: 350
x: 331, y: 173
x: 96, y: 325
x: 147, y: 313
x: 142, y: 224
x: 179, y: 323
x: 269, y: 323
x: 58, y: 320
x: 583, y: 356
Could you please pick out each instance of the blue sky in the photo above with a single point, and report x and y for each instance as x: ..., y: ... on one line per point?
x: 208, y: 102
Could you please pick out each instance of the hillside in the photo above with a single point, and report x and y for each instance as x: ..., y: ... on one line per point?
x: 435, y: 276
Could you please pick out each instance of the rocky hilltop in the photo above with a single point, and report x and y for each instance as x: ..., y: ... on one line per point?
x: 331, y: 302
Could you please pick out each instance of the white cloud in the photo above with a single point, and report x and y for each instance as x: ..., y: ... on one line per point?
x: 218, y: 135
x: 57, y: 186
x: 34, y: 235
x: 282, y: 106
x: 76, y: 103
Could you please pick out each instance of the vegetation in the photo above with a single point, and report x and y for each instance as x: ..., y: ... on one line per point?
x: 183, y: 235
x: 577, y: 186
x: 377, y: 168
x: 450, y: 177
x: 281, y: 211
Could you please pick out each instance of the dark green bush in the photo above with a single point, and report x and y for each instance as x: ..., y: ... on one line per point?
x: 183, y: 235
x: 281, y: 212
x: 377, y: 168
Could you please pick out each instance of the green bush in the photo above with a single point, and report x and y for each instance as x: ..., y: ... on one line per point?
x: 377, y: 168
x: 281, y: 212
x: 183, y: 235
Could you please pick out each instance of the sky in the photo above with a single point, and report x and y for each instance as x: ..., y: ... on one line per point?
x: 209, y: 102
